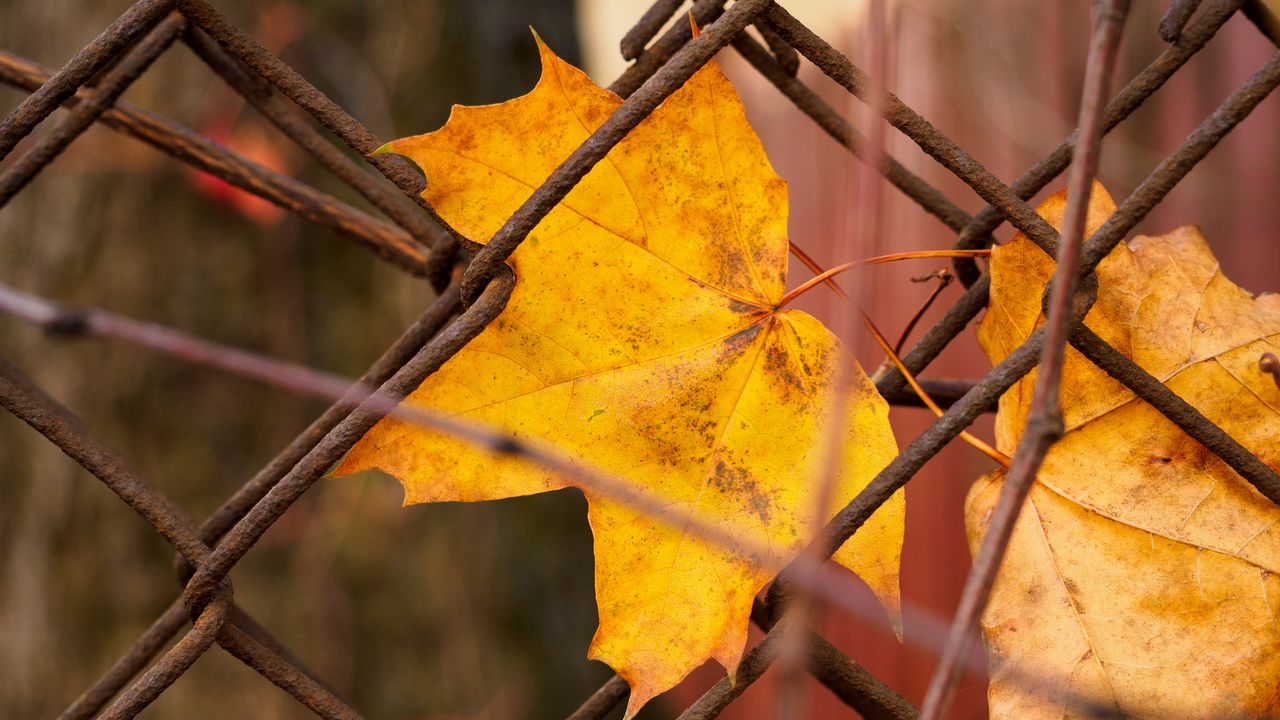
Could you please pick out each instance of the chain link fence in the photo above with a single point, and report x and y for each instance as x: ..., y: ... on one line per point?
x: 474, y: 286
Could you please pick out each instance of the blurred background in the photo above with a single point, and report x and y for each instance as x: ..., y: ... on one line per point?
x: 483, y: 610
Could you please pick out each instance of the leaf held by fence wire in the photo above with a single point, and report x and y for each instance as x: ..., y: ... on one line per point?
x: 645, y: 335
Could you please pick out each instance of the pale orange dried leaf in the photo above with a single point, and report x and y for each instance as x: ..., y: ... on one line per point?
x: 1142, y: 572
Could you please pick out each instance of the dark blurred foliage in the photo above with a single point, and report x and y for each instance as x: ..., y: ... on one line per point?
x: 441, y: 611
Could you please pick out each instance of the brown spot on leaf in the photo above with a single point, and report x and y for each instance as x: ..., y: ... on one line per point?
x: 736, y: 343
x: 1072, y: 588
x: 737, y: 481
x: 742, y: 308
x: 669, y: 430
x: 779, y: 365
x: 1035, y: 592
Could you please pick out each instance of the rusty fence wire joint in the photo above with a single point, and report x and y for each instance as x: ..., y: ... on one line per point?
x: 338, y: 121
x: 1135, y: 92
x: 245, y: 533
x: 48, y: 417
x: 112, y: 84
x: 138, y: 19
x: 933, y: 142
x: 188, y: 146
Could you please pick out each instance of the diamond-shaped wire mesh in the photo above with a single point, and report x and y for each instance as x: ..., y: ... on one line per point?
x: 413, y: 239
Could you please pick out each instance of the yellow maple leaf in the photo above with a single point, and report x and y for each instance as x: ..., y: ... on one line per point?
x: 1142, y: 571
x: 644, y: 336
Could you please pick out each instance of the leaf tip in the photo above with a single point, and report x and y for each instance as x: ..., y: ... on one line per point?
x: 547, y: 56
x: 895, y: 621
x: 544, y: 51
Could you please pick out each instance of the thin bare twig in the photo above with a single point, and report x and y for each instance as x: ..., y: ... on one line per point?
x: 381, y: 402
x: 108, y: 47
x: 817, y: 577
x: 945, y: 278
x: 826, y: 275
x: 1044, y: 423
x: 978, y: 444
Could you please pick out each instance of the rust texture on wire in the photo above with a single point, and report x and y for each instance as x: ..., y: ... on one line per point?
x: 646, y: 27
x: 1176, y: 17
x: 112, y: 84
x: 414, y: 238
x: 138, y: 19
x: 385, y: 239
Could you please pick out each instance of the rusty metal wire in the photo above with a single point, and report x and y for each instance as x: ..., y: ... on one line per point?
x: 113, y: 83
x: 384, y: 239
x: 414, y: 238
x: 81, y: 68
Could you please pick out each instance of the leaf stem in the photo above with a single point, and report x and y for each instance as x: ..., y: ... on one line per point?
x: 877, y: 260
x: 977, y: 443
x: 945, y: 277
x: 816, y: 269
